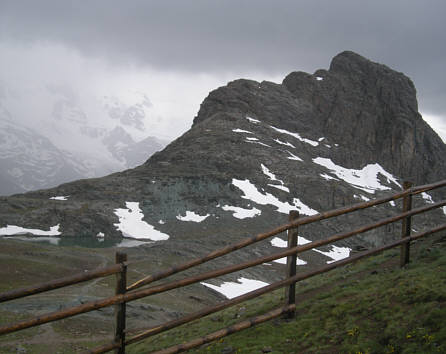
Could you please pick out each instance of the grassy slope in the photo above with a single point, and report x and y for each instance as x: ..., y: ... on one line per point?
x: 372, y: 306
x: 369, y: 307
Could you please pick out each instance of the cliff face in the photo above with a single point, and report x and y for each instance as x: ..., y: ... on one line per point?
x: 255, y: 152
x: 368, y: 108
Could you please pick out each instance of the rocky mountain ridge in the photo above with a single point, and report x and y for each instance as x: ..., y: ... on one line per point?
x: 255, y: 152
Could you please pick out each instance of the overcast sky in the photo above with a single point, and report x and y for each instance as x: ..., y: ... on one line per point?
x: 177, y: 51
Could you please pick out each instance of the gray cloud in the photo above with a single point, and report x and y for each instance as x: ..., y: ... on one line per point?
x: 274, y: 37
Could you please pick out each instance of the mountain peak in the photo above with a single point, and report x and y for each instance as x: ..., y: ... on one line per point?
x: 236, y: 97
x: 347, y: 60
x: 371, y: 107
x: 363, y: 70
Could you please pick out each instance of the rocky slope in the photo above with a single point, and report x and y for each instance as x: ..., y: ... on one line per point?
x: 255, y: 152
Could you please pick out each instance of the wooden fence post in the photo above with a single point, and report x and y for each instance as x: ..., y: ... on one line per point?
x: 406, y: 225
x: 121, y: 285
x: 290, y: 291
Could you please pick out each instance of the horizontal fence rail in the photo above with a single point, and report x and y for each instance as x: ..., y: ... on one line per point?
x: 267, y: 289
x: 228, y: 330
x: 331, y: 266
x: 129, y: 293
x: 427, y: 187
x: 60, y: 283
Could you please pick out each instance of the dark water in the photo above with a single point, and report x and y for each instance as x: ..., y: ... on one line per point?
x: 88, y: 242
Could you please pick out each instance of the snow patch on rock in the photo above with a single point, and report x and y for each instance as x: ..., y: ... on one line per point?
x: 296, y: 135
x: 241, y: 213
x: 60, y: 197
x: 278, y: 242
x: 427, y: 198
x: 293, y: 157
x: 365, y: 179
x: 286, y: 143
x: 257, y: 142
x: 232, y: 289
x: 18, y: 230
x: 252, y: 120
x: 252, y: 193
x: 131, y: 224
x: 364, y: 198
x: 191, y: 216
x: 336, y: 253
x: 328, y: 177
x: 273, y: 178
x: 242, y: 131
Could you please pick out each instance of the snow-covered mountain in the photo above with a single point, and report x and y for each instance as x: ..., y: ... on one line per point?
x: 51, y: 134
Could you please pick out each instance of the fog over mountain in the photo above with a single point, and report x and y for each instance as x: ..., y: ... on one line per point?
x: 51, y: 134
x: 75, y: 72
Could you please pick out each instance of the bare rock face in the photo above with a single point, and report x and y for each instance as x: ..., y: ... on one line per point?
x: 256, y: 151
x: 368, y: 108
x: 374, y: 109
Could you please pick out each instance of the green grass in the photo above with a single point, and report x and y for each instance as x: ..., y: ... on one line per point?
x: 372, y: 306
x: 369, y: 307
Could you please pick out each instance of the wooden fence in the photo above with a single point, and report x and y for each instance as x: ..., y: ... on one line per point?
x: 125, y: 293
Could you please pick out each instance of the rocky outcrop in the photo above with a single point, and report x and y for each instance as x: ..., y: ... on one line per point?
x: 374, y: 110
x: 368, y: 108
